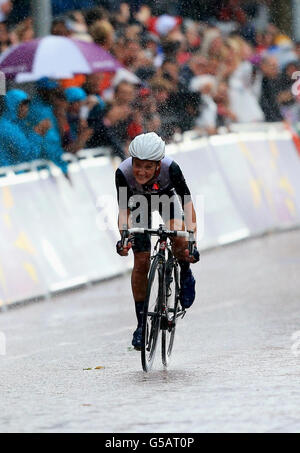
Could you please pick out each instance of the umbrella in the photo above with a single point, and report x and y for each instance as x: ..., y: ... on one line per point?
x: 55, y: 57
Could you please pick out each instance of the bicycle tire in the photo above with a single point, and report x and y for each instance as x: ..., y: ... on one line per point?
x: 151, y: 321
x: 168, y: 335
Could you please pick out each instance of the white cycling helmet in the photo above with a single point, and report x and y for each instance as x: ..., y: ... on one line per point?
x: 147, y: 147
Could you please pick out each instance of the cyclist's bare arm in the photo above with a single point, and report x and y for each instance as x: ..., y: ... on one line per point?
x: 124, y: 222
x: 190, y: 218
x: 181, y: 246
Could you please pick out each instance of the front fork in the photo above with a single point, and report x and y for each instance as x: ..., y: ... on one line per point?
x: 167, y: 317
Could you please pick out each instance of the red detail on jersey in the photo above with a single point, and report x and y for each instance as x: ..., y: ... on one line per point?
x: 155, y: 186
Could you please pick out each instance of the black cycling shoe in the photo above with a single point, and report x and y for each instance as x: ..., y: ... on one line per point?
x: 137, y: 339
x: 187, y: 291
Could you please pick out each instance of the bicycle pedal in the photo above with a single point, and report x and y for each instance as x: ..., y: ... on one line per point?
x: 181, y: 314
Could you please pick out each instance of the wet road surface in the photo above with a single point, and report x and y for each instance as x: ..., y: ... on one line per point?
x: 235, y: 367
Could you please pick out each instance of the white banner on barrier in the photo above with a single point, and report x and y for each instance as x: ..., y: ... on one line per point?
x: 55, y: 235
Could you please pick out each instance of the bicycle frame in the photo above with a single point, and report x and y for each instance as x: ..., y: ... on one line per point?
x: 160, y: 316
x: 162, y: 248
x: 163, y: 236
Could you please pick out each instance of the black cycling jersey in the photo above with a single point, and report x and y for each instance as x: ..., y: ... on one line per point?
x: 170, y: 182
x: 170, y: 179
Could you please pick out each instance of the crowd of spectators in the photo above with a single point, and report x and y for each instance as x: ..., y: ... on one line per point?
x: 199, y: 66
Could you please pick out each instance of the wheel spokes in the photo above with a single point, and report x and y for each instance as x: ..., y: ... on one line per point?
x: 172, y: 313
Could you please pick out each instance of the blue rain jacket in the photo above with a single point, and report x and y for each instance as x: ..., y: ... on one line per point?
x: 52, y: 143
x: 18, y: 141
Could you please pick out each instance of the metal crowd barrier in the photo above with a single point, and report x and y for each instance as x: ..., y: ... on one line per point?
x: 57, y: 234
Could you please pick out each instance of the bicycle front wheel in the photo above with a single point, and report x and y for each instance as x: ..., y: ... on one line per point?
x: 152, y: 313
x: 172, y: 302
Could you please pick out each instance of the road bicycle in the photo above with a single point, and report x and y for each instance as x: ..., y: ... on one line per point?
x: 162, y: 307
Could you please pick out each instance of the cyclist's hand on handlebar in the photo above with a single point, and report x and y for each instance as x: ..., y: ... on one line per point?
x: 194, y: 257
x: 123, y: 251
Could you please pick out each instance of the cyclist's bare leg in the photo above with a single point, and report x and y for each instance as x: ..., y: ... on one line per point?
x: 180, y: 250
x: 180, y: 245
x: 139, y: 277
x: 139, y: 280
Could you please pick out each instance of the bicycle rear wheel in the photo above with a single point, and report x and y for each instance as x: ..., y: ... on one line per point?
x: 172, y: 302
x: 152, y: 314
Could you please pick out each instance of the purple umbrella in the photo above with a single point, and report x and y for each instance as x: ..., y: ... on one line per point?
x: 55, y: 57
